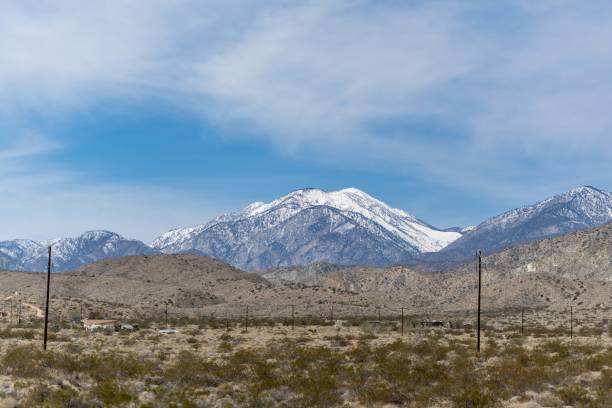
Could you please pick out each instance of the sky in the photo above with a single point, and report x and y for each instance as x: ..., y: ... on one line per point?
x: 142, y: 116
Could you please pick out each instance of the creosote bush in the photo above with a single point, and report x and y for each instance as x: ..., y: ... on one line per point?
x: 429, y: 368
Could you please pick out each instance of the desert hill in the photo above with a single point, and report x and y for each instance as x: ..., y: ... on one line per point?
x: 584, y: 254
x: 571, y: 270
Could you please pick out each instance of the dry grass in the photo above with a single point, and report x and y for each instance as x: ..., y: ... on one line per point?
x: 315, y: 366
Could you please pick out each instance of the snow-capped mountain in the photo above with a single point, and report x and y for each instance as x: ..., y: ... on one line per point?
x: 68, y: 253
x: 346, y: 227
x: 579, y: 208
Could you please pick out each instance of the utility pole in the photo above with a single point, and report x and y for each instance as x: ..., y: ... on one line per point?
x: 402, y: 321
x: 166, y: 314
x: 571, y: 322
x: 19, y: 314
x: 332, y: 313
x: 47, y: 301
x: 479, y: 253
x: 246, y: 319
x: 81, y: 312
x: 522, y: 321
x: 292, y: 319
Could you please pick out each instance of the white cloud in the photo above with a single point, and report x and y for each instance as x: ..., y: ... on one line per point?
x: 526, y: 89
x: 314, y: 77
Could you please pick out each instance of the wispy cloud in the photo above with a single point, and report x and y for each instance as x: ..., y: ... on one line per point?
x: 522, y: 88
x: 42, y: 202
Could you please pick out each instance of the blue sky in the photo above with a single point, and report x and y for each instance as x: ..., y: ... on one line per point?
x: 142, y: 117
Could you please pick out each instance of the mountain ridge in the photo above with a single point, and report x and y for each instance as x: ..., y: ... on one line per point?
x: 345, y: 227
x: 68, y: 253
x: 579, y: 208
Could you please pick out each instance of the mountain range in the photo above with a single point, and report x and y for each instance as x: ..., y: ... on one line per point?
x: 345, y: 227
x: 554, y: 273
x: 68, y: 253
x: 579, y: 208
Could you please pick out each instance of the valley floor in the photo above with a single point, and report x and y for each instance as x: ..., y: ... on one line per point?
x: 359, y: 363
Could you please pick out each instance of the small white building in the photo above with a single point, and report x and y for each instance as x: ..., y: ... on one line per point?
x: 91, y: 325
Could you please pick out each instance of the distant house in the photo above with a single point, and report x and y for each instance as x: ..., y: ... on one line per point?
x: 91, y: 325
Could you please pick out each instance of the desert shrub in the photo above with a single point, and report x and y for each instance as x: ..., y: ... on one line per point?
x: 555, y: 346
x: 24, y: 361
x: 603, y: 388
x: 574, y: 394
x: 113, y: 393
x: 475, y: 397
x: 225, y: 347
x: 596, y: 362
x: 43, y: 395
x: 314, y: 376
x: 106, y: 366
x: 338, y: 341
x: 397, y: 373
x: 255, y: 370
x: 193, y: 370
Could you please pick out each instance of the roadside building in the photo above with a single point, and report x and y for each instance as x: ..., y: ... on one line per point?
x: 91, y: 325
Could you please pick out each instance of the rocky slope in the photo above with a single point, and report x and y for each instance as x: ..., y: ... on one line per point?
x: 140, y: 286
x: 584, y: 254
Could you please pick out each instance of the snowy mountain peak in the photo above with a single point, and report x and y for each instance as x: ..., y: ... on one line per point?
x: 234, y: 237
x: 585, y: 205
x: 99, y: 235
x: 68, y: 253
x: 578, y: 208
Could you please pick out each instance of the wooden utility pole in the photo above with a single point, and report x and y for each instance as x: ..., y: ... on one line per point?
x: 402, y: 321
x: 246, y: 319
x: 479, y: 253
x: 47, y: 301
x: 331, y: 316
x: 19, y: 314
x: 571, y: 322
x: 166, y: 314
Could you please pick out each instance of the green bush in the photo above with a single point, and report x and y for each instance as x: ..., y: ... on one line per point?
x: 112, y: 393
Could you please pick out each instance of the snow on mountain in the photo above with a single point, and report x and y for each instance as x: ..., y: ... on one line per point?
x: 310, y: 225
x: 68, y: 253
x: 579, y: 208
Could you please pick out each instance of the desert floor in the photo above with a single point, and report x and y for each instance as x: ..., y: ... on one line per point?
x: 361, y: 363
